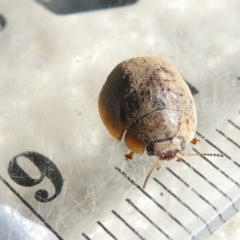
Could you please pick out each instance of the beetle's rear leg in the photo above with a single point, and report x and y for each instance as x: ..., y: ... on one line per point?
x: 195, y: 141
x: 129, y: 156
x: 179, y: 159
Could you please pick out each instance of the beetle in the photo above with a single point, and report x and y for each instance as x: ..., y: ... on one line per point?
x: 148, y: 102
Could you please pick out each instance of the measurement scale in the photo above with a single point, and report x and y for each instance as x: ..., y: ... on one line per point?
x: 53, y: 64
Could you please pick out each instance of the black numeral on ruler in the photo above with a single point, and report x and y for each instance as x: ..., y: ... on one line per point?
x: 47, y: 169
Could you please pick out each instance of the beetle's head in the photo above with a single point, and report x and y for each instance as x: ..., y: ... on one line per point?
x: 166, y: 149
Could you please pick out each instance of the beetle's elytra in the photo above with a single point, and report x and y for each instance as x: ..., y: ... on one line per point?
x: 148, y: 100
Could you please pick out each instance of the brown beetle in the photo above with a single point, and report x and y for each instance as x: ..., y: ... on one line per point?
x: 148, y: 100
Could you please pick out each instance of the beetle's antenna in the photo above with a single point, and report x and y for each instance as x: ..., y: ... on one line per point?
x: 156, y: 165
x: 201, y: 154
x: 195, y: 141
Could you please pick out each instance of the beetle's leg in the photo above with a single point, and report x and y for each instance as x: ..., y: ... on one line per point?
x: 179, y: 159
x: 195, y: 141
x: 129, y: 155
x: 157, y: 166
x: 157, y: 163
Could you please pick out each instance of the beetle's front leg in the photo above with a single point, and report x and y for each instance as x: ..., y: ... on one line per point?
x: 129, y: 156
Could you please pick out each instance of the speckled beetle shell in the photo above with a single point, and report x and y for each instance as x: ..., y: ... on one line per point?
x: 148, y: 100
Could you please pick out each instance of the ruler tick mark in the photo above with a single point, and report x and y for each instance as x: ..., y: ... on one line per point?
x: 184, y: 204
x: 147, y: 195
x: 106, y: 230
x: 198, y: 194
x: 235, y: 125
x: 210, y: 143
x: 84, y: 235
x: 130, y: 227
x: 217, y: 168
x: 210, y: 183
x: 31, y: 208
x: 229, y: 139
x: 154, y: 224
